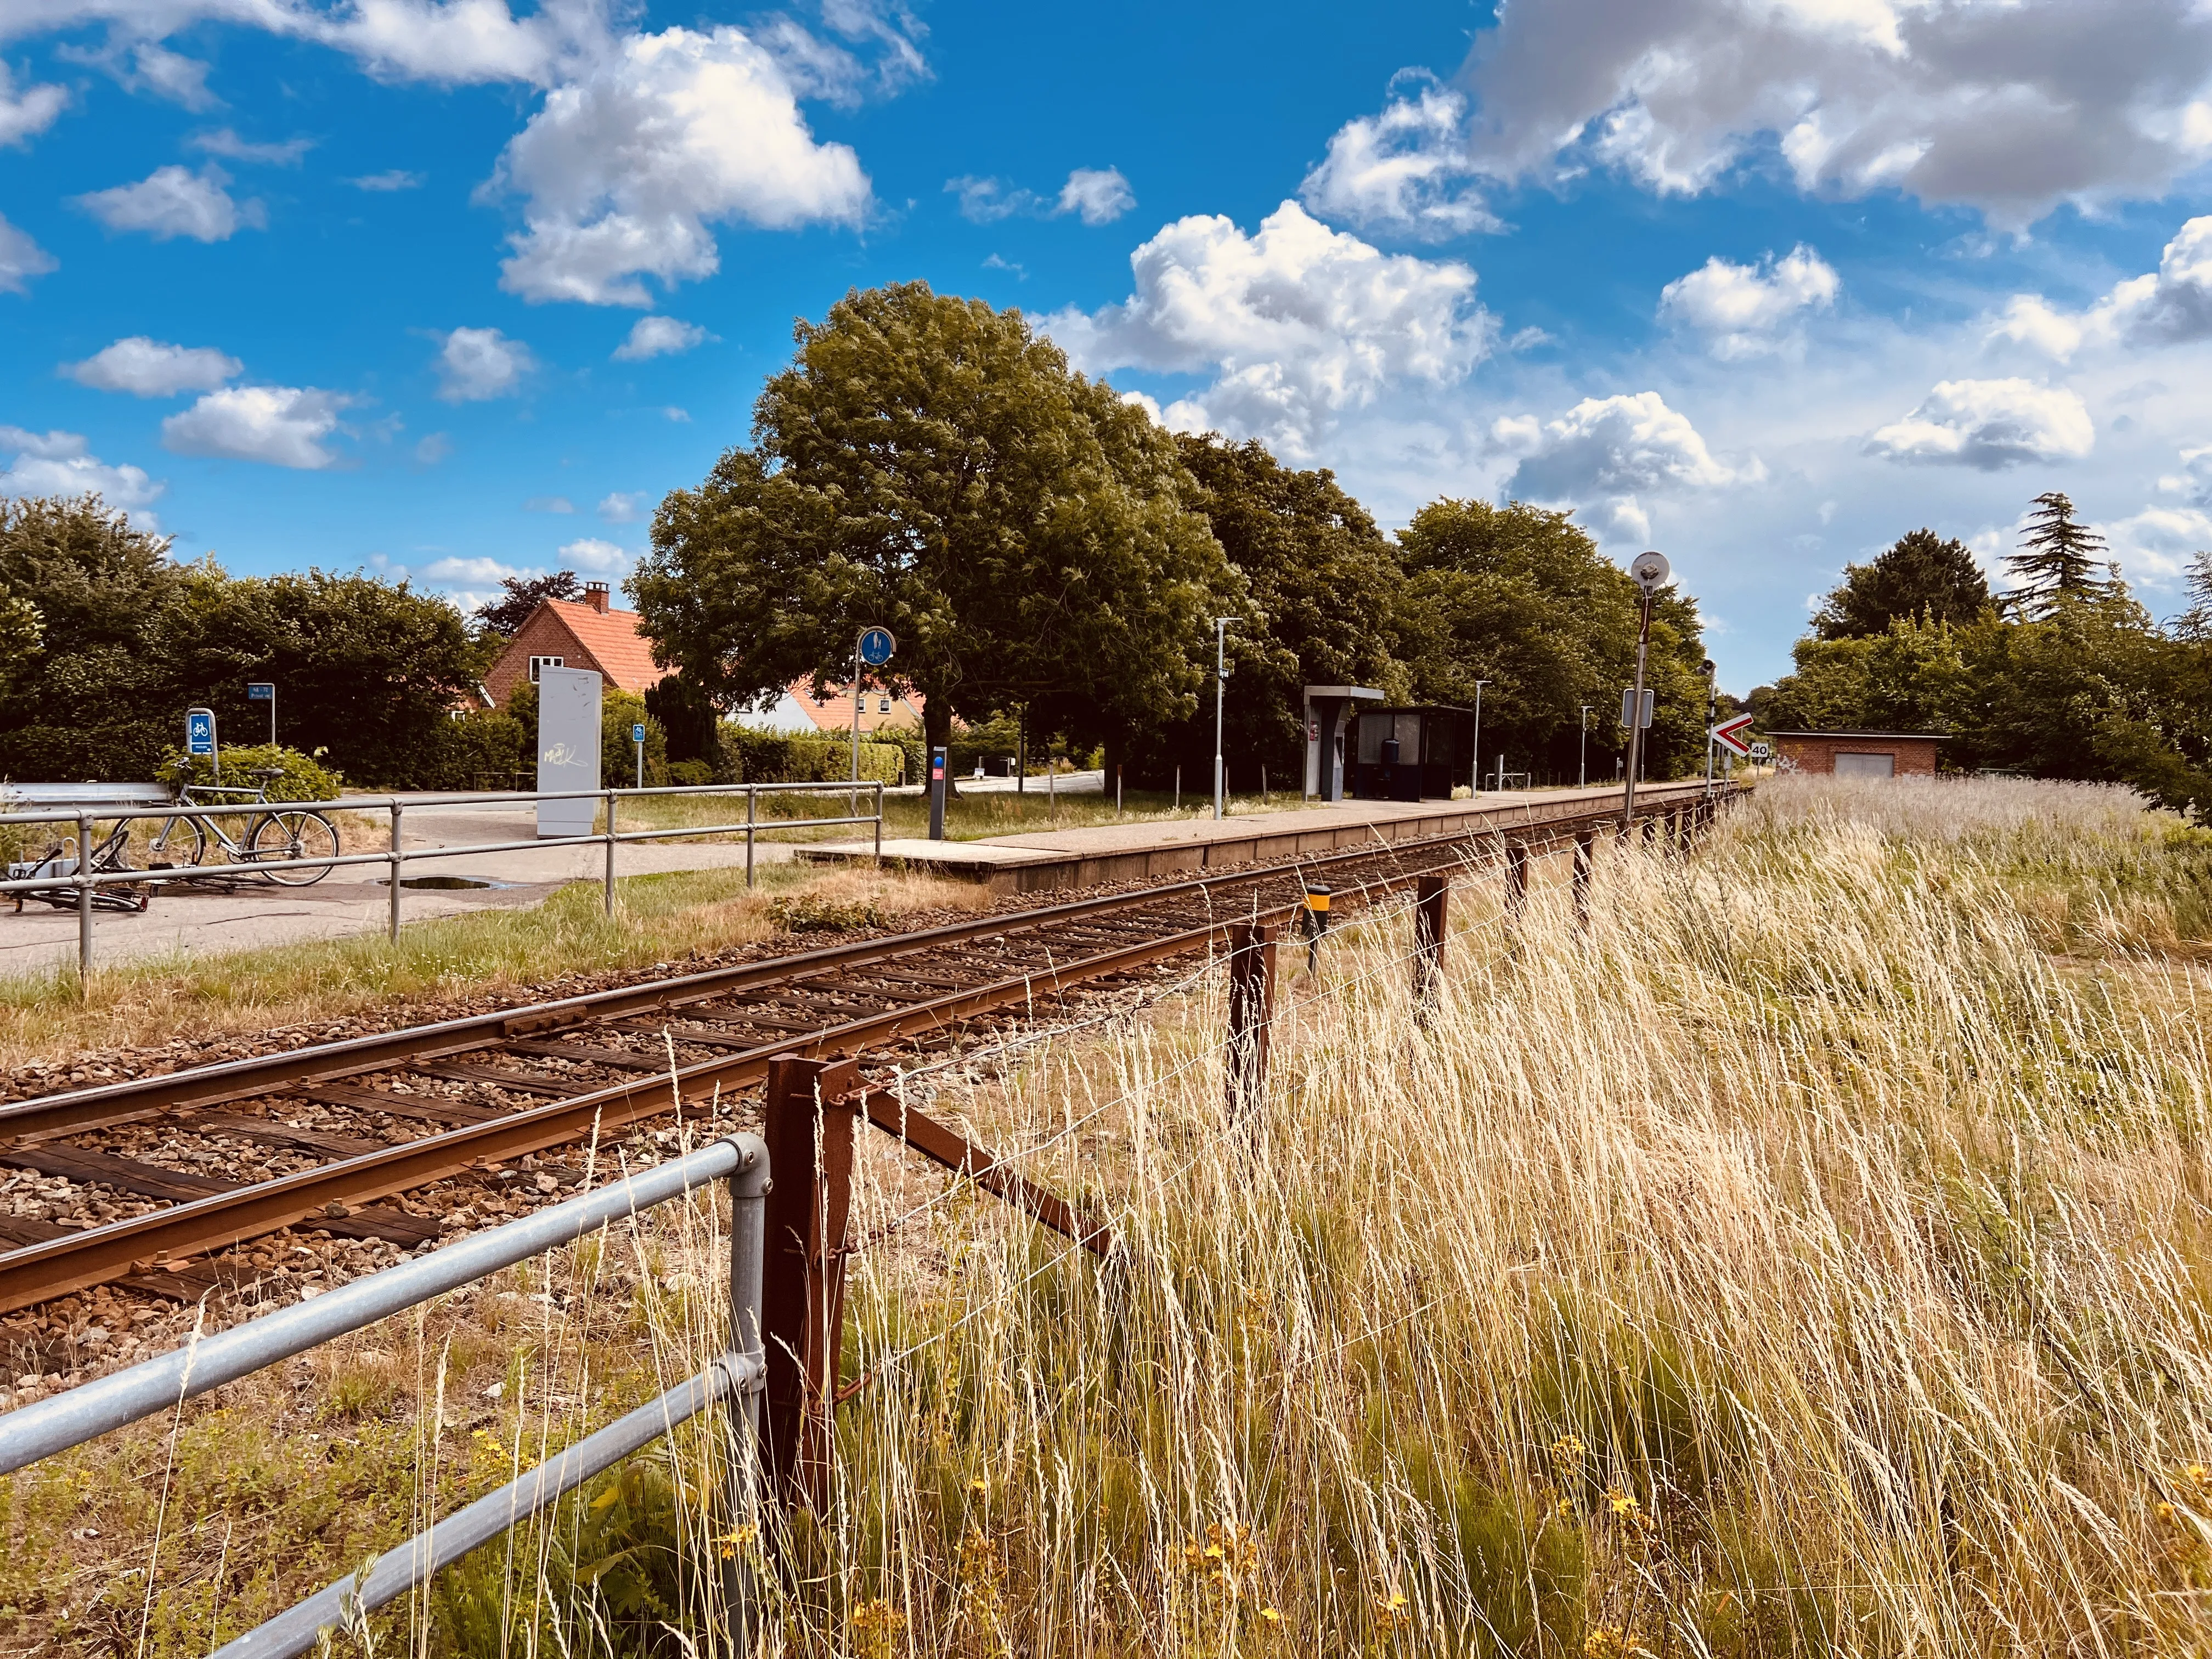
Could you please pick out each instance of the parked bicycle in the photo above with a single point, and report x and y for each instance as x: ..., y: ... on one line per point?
x: 59, y: 862
x: 275, y: 836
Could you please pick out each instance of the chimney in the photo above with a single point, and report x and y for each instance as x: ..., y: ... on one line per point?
x: 595, y: 595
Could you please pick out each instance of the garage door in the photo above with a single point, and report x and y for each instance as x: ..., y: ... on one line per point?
x: 1866, y: 766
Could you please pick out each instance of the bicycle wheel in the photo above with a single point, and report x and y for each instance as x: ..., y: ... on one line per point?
x: 182, y: 841
x: 280, y: 837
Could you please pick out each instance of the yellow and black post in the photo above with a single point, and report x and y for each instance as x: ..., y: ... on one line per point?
x: 1313, y: 922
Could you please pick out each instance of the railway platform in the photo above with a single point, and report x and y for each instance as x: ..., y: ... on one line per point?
x: 1050, y: 859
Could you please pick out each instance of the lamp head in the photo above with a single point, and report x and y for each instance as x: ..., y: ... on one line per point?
x: 1651, y: 571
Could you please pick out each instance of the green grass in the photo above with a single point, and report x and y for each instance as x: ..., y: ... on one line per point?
x: 658, y: 918
x: 969, y: 817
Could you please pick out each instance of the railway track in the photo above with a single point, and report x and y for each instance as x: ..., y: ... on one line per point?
x: 342, y: 1128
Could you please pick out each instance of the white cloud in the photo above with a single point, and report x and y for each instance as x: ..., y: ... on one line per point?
x: 549, y: 504
x: 151, y: 368
x: 278, y: 425
x: 1745, y: 310
x: 590, y: 553
x: 1989, y: 425
x: 433, y: 448
x: 396, y: 179
x: 479, y: 575
x: 1100, y: 194
x: 228, y: 144
x: 986, y: 201
x: 1406, y: 171
x: 21, y: 260
x: 2154, y: 545
x: 656, y: 336
x: 1299, y: 322
x: 62, y: 463
x: 171, y: 202
x: 673, y: 413
x: 170, y: 75
x: 475, y: 364
x: 26, y: 113
x: 2171, y: 306
x: 2009, y: 105
x: 1608, y: 455
x: 453, y: 41
x: 620, y: 507
x: 624, y: 169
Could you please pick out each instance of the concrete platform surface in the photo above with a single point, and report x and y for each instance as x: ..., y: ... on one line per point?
x: 1042, y: 860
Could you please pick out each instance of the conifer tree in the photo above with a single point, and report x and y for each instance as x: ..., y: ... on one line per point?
x: 2196, y: 622
x: 2058, y: 560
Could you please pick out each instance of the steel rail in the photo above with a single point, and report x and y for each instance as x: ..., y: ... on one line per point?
x: 148, y: 1243
x: 229, y: 1080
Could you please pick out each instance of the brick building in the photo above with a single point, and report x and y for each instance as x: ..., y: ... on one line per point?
x: 572, y: 633
x: 1856, y: 754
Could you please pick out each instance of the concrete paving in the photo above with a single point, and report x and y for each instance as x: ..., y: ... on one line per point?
x: 188, y: 920
x: 1042, y: 860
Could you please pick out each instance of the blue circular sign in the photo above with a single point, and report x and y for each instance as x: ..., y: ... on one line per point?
x: 877, y: 645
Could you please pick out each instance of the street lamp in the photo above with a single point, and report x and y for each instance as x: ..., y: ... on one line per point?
x: 1475, y: 783
x: 1220, y: 684
x: 1649, y: 571
x: 1582, y: 765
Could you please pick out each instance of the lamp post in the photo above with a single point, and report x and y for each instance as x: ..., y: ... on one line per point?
x: 1712, y: 712
x: 1649, y: 572
x: 1474, y: 782
x: 1582, y: 762
x: 1220, y: 684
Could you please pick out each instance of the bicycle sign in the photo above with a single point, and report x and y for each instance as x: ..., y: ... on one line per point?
x: 199, y: 730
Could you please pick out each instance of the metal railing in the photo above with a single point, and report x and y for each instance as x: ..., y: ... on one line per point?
x: 161, y: 1385
x: 85, y: 881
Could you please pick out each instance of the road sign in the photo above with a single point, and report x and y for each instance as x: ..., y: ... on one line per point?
x: 1759, y: 751
x: 1651, y: 571
x: 259, y: 693
x: 1628, y: 703
x: 877, y: 645
x: 637, y: 734
x: 1730, y: 734
x: 199, y: 730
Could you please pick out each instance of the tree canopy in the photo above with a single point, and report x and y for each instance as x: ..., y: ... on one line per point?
x: 1520, y: 596
x: 2058, y: 560
x: 1921, y: 575
x: 520, y: 595
x: 929, y: 465
x: 127, y: 640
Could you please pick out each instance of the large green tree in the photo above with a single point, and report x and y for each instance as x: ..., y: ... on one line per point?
x: 2059, y: 560
x: 929, y: 465
x: 1921, y: 575
x: 127, y: 640
x: 1318, y: 582
x: 1520, y: 596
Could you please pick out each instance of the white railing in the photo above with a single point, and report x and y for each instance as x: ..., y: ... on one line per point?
x: 74, y: 876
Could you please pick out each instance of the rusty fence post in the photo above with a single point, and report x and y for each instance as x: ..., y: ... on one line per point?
x: 1516, y: 879
x: 1585, y: 855
x: 810, y: 1113
x: 1251, y: 1011
x: 1431, y: 897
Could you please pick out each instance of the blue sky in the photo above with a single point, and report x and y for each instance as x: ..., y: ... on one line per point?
x: 456, y: 290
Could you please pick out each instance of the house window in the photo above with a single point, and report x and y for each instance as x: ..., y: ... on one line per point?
x: 882, y: 705
x: 537, y: 663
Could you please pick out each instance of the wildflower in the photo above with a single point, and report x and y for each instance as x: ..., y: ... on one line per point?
x: 1609, y: 1642
x: 732, y: 1542
x: 1271, y: 1616
x: 1566, y: 1508
x: 1568, y: 1450
x: 2197, y: 1474
x: 1619, y: 1502
x: 2164, y: 1511
x: 980, y: 1486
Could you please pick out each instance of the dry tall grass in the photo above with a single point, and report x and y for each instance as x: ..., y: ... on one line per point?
x: 1807, y: 1258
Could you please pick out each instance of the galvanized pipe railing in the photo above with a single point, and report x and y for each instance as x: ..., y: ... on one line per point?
x: 162, y: 1384
x: 83, y: 881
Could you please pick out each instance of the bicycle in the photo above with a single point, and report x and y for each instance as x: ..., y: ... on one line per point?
x: 274, y: 837
x: 59, y: 862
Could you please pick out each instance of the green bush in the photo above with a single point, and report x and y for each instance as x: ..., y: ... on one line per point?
x: 691, y: 772
x: 300, y: 777
x: 776, y: 757
x: 618, y: 711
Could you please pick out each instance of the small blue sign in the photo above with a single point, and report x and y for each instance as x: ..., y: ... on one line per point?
x: 877, y: 645
x: 199, y: 730
x: 637, y: 734
x: 937, y: 766
x: 257, y: 693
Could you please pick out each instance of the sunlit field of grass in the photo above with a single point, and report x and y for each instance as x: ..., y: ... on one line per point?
x: 1809, y: 1256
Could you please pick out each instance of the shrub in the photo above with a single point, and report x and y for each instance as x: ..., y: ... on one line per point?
x: 776, y: 757
x: 691, y: 772
x: 299, y: 777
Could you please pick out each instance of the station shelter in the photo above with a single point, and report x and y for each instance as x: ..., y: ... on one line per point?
x: 1420, y: 753
x: 1327, y: 708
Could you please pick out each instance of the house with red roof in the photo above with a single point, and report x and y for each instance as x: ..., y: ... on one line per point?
x: 578, y: 634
